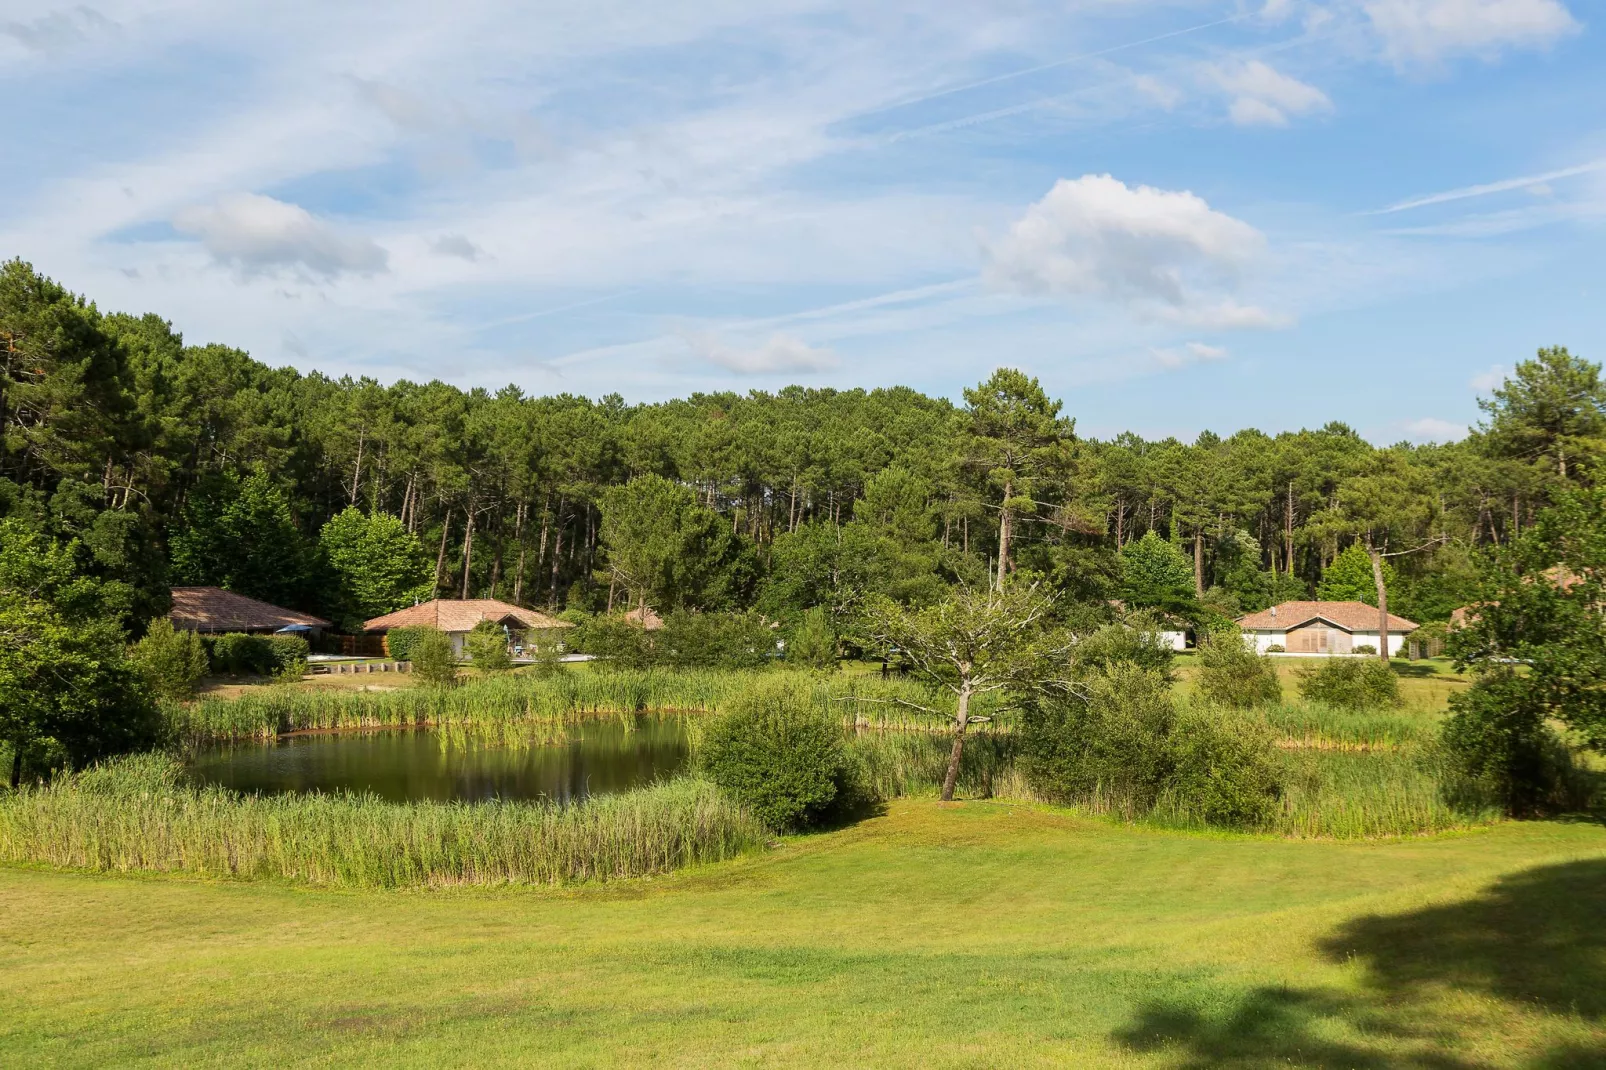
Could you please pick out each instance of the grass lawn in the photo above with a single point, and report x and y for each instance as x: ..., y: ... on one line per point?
x: 983, y: 935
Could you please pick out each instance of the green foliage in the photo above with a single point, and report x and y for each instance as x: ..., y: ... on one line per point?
x: 289, y: 654
x: 487, y: 646
x: 1234, y: 676
x: 1137, y: 641
x: 68, y: 694
x: 1223, y: 771
x: 715, y: 641
x: 399, y: 641
x: 669, y: 551
x: 1498, y: 749
x: 433, y: 659
x: 171, y: 661
x: 617, y: 642
x: 239, y: 654
x: 1156, y: 575
x: 1349, y: 577
x: 811, y: 644
x: 1350, y: 683
x: 1120, y: 745
x: 1551, y: 412
x: 778, y: 757
x: 378, y: 565
x: 241, y: 535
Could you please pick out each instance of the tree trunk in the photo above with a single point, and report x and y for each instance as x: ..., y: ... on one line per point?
x: 1198, y: 564
x: 356, y: 475
x: 518, y: 537
x: 1288, y: 530
x: 1004, y: 524
x: 1382, y: 604
x: 961, y: 719
x: 557, y: 555
x: 16, y: 766
x: 468, y: 549
x: 440, y: 555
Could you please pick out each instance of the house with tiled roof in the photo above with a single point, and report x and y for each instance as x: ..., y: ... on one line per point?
x: 458, y: 616
x: 214, y: 611
x: 1323, y: 628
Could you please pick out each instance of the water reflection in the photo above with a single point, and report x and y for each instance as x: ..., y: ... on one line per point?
x: 593, y: 758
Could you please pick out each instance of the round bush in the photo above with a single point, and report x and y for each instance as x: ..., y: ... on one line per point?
x: 778, y: 757
x: 399, y: 642
x: 434, y: 660
x: 1223, y: 772
x: 1351, y: 684
x: 1234, y: 676
x: 171, y: 660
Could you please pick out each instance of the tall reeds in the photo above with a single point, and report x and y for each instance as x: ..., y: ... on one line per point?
x: 498, y: 706
x: 138, y: 815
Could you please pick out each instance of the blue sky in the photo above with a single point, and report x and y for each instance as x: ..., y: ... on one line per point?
x: 1178, y: 215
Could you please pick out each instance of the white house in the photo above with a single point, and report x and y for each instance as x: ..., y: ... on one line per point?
x: 1322, y: 628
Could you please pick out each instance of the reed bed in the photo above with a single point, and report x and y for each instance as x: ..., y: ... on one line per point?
x: 500, y: 707
x: 138, y: 815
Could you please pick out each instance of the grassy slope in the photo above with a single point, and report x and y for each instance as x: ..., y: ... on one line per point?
x: 982, y: 935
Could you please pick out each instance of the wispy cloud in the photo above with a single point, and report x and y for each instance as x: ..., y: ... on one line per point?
x: 1264, y: 96
x: 1433, y: 429
x: 1426, y: 31
x: 780, y: 354
x: 1485, y: 381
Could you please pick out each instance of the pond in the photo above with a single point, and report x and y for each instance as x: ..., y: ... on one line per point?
x: 593, y: 758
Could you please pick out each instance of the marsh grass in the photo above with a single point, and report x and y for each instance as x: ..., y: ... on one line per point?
x: 502, y: 707
x: 137, y: 814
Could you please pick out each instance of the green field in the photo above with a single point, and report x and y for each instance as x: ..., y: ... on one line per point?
x: 985, y: 934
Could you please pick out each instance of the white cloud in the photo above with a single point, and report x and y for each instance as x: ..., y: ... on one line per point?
x: 1172, y: 358
x: 1424, y: 31
x: 1433, y: 429
x: 58, y: 30
x: 255, y: 233
x: 1264, y: 96
x: 1483, y: 382
x: 1162, y: 93
x: 781, y: 354
x: 1166, y: 254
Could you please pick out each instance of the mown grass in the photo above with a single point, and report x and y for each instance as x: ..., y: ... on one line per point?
x: 137, y: 815
x: 982, y: 934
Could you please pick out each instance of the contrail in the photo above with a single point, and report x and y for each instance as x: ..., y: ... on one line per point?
x: 1050, y: 66
x: 1491, y: 187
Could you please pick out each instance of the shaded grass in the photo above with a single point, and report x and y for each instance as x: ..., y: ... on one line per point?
x: 977, y: 935
x: 137, y: 815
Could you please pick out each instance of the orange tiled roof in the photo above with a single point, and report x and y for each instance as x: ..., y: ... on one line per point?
x: 1351, y: 616
x: 461, y: 614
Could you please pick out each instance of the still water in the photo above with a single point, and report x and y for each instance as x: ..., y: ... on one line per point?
x: 596, y: 758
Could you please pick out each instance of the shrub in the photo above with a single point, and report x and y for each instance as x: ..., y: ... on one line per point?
x: 399, y: 642
x: 171, y: 660
x: 1351, y: 684
x: 1366, y: 649
x: 487, y: 647
x: 1496, y: 749
x: 1234, y: 676
x: 1223, y: 772
x: 778, y: 756
x: 1276, y: 648
x: 434, y: 660
x: 1136, y: 642
x: 289, y: 653
x: 238, y: 654
x: 616, y: 642
x: 1108, y: 744
x: 716, y: 641
x: 1122, y: 746
x: 812, y: 643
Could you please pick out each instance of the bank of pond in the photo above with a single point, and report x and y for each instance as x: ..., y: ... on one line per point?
x: 585, y: 777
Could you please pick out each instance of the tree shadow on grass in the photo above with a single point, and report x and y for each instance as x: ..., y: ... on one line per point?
x: 1534, y: 940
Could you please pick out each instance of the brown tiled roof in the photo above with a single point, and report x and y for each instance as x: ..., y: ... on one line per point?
x: 1351, y: 616
x: 212, y: 609
x: 645, y: 616
x: 460, y: 615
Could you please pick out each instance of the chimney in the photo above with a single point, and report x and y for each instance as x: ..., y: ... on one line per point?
x: 1273, y: 612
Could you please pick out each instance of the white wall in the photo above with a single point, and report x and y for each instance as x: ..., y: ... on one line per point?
x: 1175, y: 640
x: 1261, y: 640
